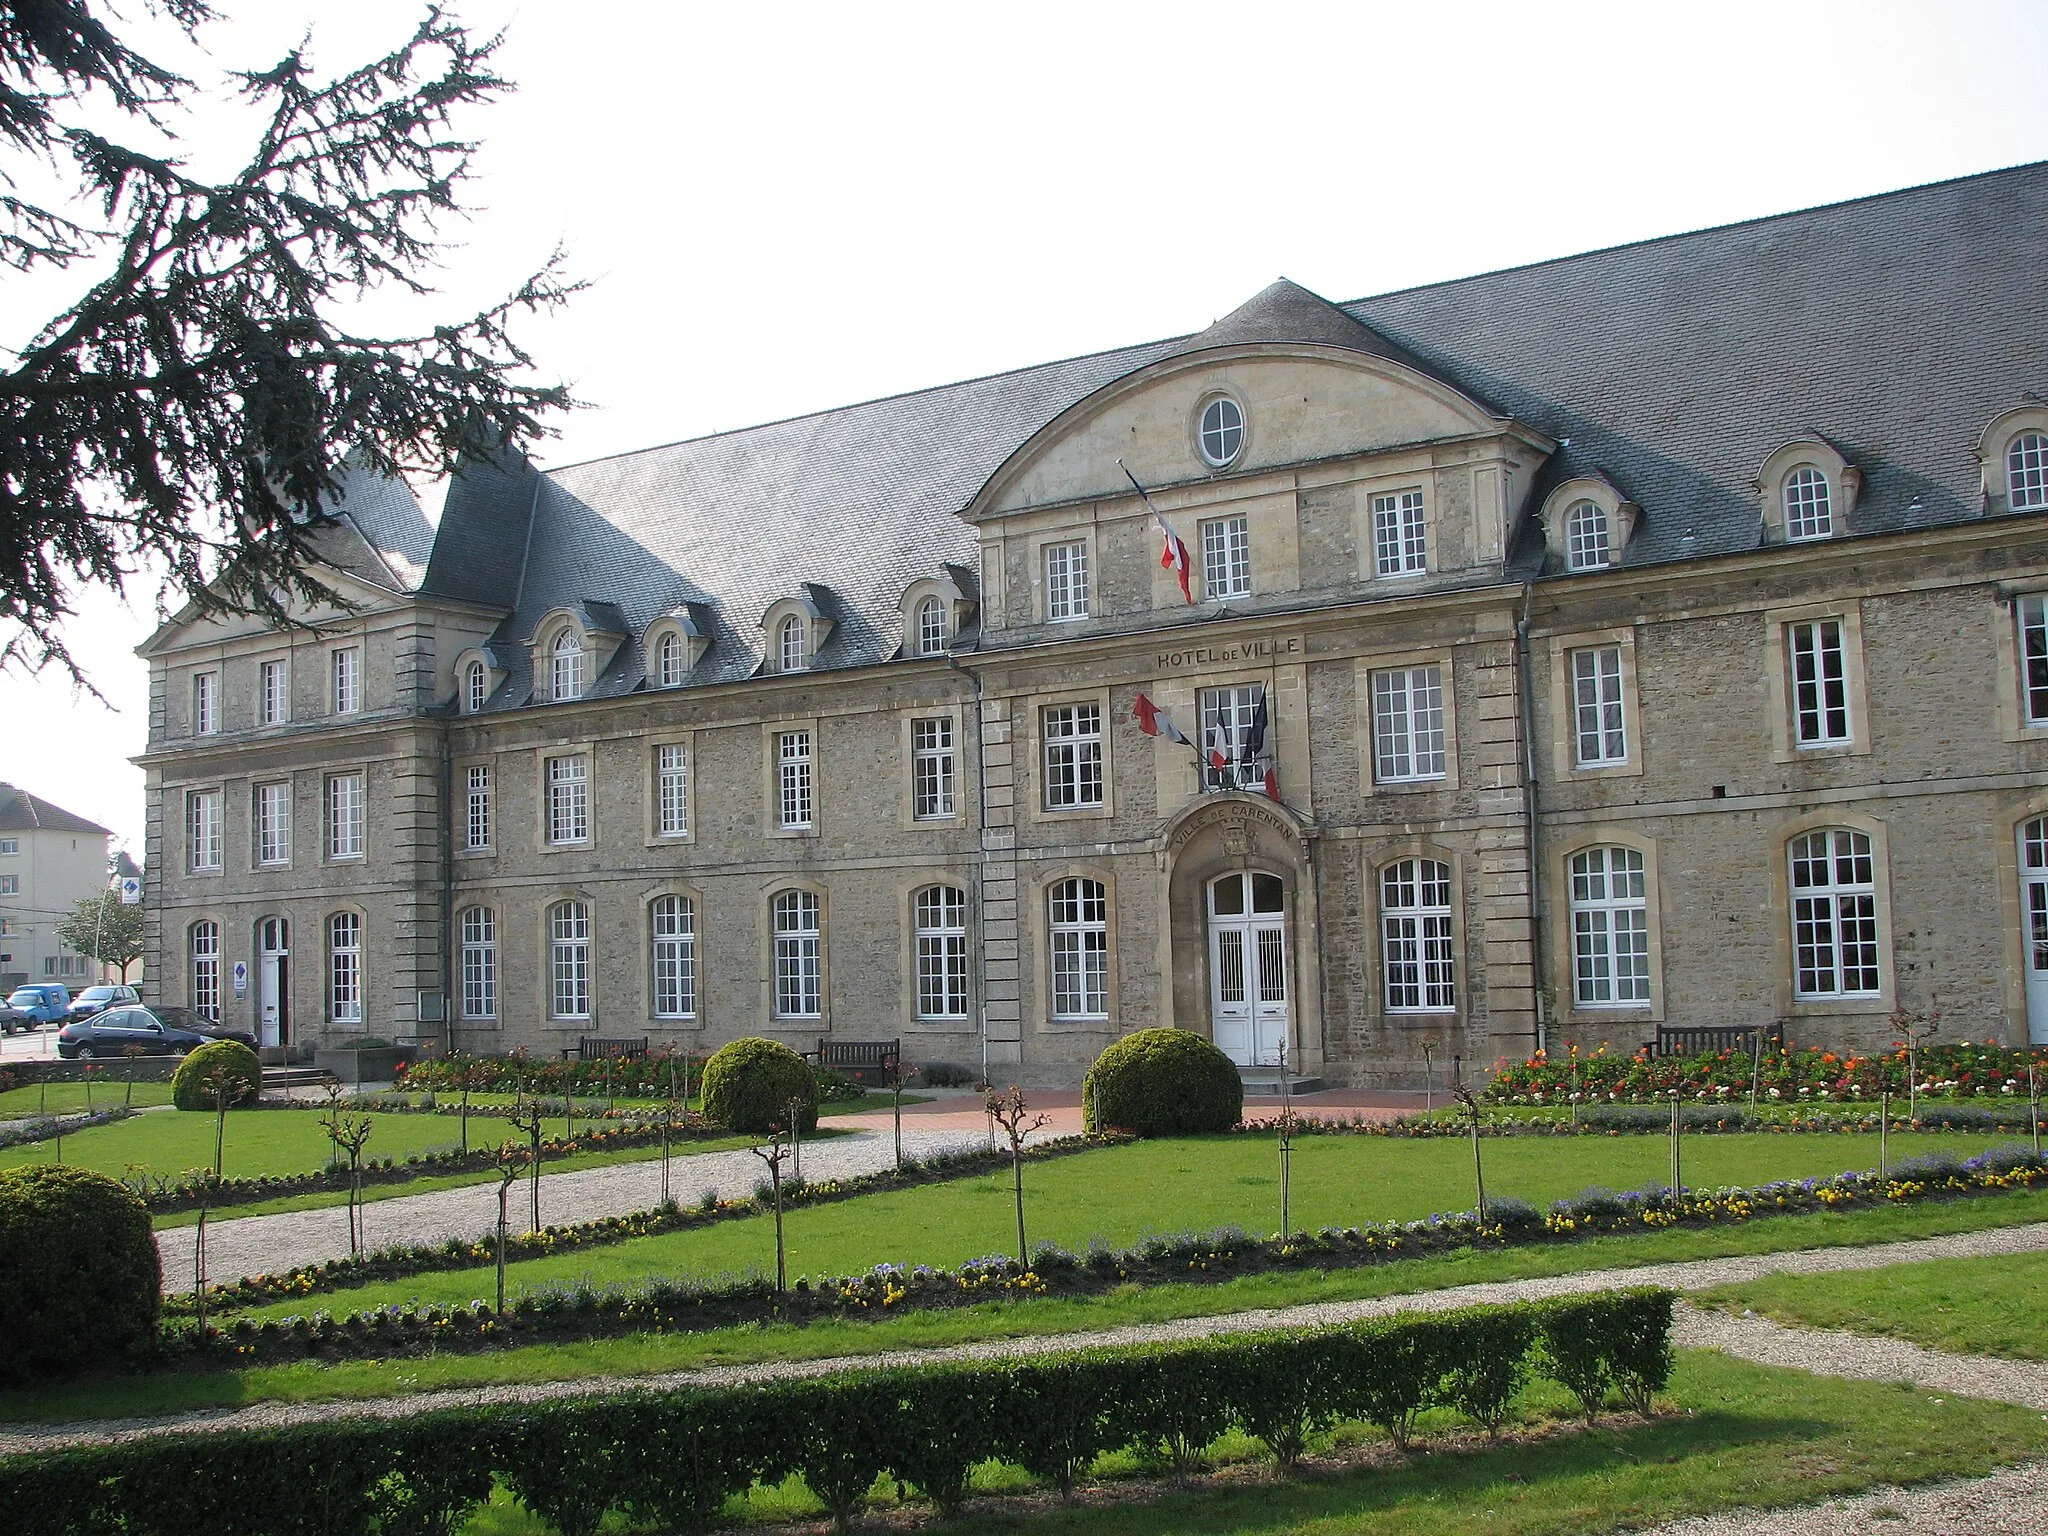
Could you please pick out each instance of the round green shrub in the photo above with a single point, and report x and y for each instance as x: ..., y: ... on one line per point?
x: 80, y: 1281
x: 749, y: 1083
x: 1162, y: 1082
x: 191, y: 1087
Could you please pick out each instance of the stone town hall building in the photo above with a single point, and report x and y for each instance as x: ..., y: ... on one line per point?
x: 1653, y: 635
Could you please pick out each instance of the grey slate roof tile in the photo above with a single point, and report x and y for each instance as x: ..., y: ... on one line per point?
x: 21, y: 811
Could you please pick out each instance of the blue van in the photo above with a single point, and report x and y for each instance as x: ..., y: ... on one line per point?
x: 34, y: 1005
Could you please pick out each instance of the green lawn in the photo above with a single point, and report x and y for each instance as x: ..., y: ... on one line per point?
x: 1119, y: 1194
x: 69, y: 1098
x: 1988, y: 1306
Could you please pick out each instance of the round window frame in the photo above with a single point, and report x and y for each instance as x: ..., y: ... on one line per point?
x: 1244, y: 428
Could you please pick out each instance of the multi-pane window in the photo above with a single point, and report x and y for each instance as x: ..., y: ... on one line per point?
x: 1408, y: 724
x: 476, y: 686
x: 672, y: 930
x: 205, y: 951
x: 10, y: 885
x: 206, y: 703
x: 1415, y: 927
x: 1226, y: 557
x: 1808, y: 512
x: 345, y: 816
x: 2034, y: 893
x: 931, y: 768
x: 1834, y: 914
x: 1820, y: 683
x: 202, y: 829
x: 565, y: 666
x: 799, y: 966
x: 1073, y: 755
x: 569, y: 960
x: 479, y: 928
x: 668, y: 660
x: 1078, y: 916
x: 2026, y: 472
x: 793, y: 645
x: 273, y: 824
x: 348, y: 680
x: 476, y: 807
x: 569, y: 799
x: 273, y: 704
x: 793, y: 779
x: 1400, y: 543
x: 941, y: 933
x: 1221, y: 431
x: 931, y: 627
x: 1230, y: 720
x: 2033, y: 622
x: 9, y: 846
x: 672, y: 791
x: 1586, y: 542
x: 345, y: 968
x: 1601, y: 735
x: 1066, y: 581
x: 1610, y: 928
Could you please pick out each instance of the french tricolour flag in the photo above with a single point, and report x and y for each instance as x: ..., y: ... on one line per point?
x: 1152, y: 721
x: 1173, y: 556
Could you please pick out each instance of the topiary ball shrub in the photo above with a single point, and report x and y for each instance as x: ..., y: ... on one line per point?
x: 749, y: 1083
x: 80, y: 1279
x: 1162, y: 1082
x: 191, y: 1085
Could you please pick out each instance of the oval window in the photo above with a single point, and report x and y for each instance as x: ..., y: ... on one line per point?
x: 1221, y: 432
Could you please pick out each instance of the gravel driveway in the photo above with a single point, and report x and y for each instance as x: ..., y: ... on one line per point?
x: 2009, y: 1503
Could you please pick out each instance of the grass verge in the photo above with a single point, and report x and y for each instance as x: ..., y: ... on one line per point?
x: 32, y: 1099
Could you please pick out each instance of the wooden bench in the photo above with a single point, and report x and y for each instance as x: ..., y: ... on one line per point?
x: 605, y: 1048
x: 870, y: 1062
x: 1738, y: 1039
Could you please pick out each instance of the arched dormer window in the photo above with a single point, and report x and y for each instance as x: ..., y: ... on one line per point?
x: 2026, y: 472
x: 1806, y: 491
x: 1587, y: 540
x: 1809, y: 509
x: 565, y: 665
x: 668, y: 660
x: 792, y: 645
x: 931, y: 627
x: 1587, y: 523
x: 476, y: 686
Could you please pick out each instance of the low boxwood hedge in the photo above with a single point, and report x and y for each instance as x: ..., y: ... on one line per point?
x: 192, y: 1084
x: 749, y: 1085
x: 79, y: 1274
x: 1162, y: 1082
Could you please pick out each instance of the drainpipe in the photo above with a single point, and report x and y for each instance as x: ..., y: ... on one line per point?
x: 1526, y: 699
x: 980, y: 945
x: 447, y: 862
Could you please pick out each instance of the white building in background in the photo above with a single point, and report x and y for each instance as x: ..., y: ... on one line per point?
x: 50, y: 860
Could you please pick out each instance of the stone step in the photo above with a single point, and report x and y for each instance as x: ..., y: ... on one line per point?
x: 1265, y: 1082
x: 295, y: 1077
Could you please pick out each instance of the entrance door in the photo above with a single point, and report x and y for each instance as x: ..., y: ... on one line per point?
x: 2034, y: 924
x: 273, y: 981
x: 1248, y: 968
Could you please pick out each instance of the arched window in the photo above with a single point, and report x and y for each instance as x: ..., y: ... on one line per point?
x: 931, y: 627
x: 565, y: 666
x: 476, y: 686
x: 672, y: 928
x: 1834, y: 915
x: 1585, y: 536
x: 2026, y: 472
x: 345, y: 968
x: 1078, y: 920
x: 479, y: 928
x: 205, y: 952
x: 569, y: 960
x: 793, y: 647
x: 668, y: 661
x: 1610, y: 928
x: 799, y: 956
x: 941, y: 932
x: 1808, y: 512
x: 1415, y: 924
x: 1221, y: 433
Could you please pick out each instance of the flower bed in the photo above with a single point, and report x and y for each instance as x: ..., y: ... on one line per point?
x: 1654, y: 1119
x: 1954, y: 1070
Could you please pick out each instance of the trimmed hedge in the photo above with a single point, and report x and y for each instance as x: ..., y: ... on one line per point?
x: 749, y: 1083
x: 190, y: 1088
x: 79, y: 1275
x: 676, y: 1457
x: 1162, y: 1082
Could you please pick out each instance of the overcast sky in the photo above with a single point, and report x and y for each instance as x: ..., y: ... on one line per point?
x: 785, y: 208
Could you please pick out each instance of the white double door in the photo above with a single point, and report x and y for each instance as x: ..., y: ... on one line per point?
x: 1248, y: 1012
x: 273, y: 988
x: 2034, y: 924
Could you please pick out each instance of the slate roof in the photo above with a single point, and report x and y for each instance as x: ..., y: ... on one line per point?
x: 1896, y: 326
x: 21, y: 811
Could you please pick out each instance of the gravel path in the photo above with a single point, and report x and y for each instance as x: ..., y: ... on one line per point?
x: 257, y: 1245
x: 1863, y: 1357
x: 2009, y: 1503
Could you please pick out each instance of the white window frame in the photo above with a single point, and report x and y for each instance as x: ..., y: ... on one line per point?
x: 672, y: 790
x: 206, y: 703
x: 478, y: 930
x: 793, y: 644
x: 476, y: 687
x: 2026, y: 472
x: 569, y: 974
x: 1837, y: 942
x: 1808, y: 503
x: 344, y: 968
x: 1610, y: 910
x: 1400, y: 534
x: 1227, y: 557
x: 1077, y: 947
x: 568, y: 800
x: 939, y: 934
x: 274, y: 825
x: 203, y: 831
x: 345, y: 816
x: 932, y: 629
x: 10, y: 885
x: 2030, y: 614
x: 794, y: 806
x: 1599, y: 717
x: 346, y: 680
x: 1071, y: 735
x: 1066, y: 581
x: 1817, y: 659
x: 273, y: 693
x: 668, y: 660
x: 1588, y: 538
x: 672, y: 947
x: 476, y: 808
x: 202, y: 946
x: 1219, y: 431
x: 798, y: 917
x: 565, y: 665
x: 1225, y: 715
x: 1408, y: 725
x: 931, y: 768
x: 1418, y: 944
x: 9, y: 847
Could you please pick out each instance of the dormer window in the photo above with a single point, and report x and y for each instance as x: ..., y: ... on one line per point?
x: 931, y: 627
x: 1809, y: 513
x: 565, y: 666
x: 2026, y: 472
x: 793, y: 645
x: 1588, y: 544
x: 668, y: 661
x: 476, y: 686
x: 1219, y: 432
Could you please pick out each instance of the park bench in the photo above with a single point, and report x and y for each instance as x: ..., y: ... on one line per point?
x: 607, y: 1048
x: 871, y: 1062
x: 1738, y: 1039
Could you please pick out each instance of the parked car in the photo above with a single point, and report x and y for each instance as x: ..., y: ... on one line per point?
x: 43, y: 1002
x: 158, y: 1031
x: 98, y: 999
x: 13, y: 1020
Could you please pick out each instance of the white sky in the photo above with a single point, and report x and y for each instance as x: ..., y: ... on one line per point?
x: 784, y: 208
